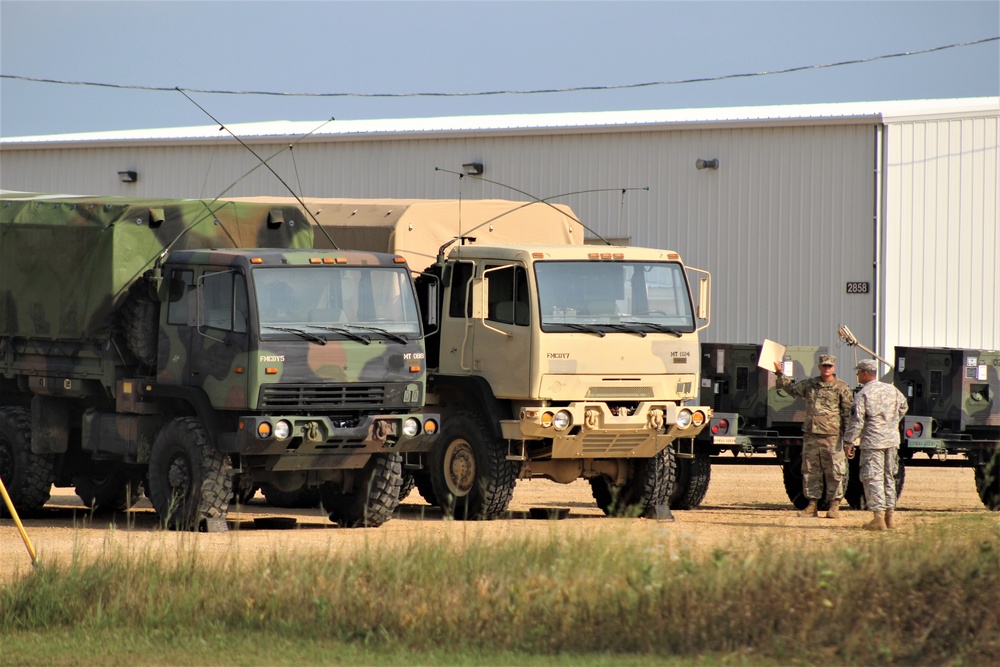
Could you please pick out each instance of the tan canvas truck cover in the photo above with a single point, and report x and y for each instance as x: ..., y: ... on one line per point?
x: 66, y: 261
x: 417, y: 228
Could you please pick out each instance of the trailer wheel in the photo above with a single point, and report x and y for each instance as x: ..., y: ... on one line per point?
x: 374, y: 498
x: 651, y: 484
x: 693, y: 476
x: 791, y: 475
x: 854, y: 494
x: 988, y: 482
x: 190, y: 483
x: 470, y: 473
x: 140, y: 322
x: 111, y: 487
x: 300, y: 498
x: 28, y: 477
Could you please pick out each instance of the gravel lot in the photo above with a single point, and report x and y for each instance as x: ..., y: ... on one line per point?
x: 745, y: 504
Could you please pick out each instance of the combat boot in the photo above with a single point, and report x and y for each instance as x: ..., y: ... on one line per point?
x: 810, y: 509
x: 890, y: 518
x: 877, y: 523
x: 834, y: 511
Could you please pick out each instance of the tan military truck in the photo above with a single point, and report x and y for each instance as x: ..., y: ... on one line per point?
x: 552, y: 358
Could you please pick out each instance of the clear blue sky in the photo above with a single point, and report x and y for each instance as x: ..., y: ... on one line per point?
x: 470, y: 46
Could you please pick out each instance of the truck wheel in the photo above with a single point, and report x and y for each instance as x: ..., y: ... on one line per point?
x: 140, y: 321
x: 988, y: 482
x: 300, y: 498
x: 651, y: 484
x: 470, y: 473
x: 409, y: 481
x: 244, y: 489
x: 28, y: 477
x: 693, y: 476
x: 374, y: 498
x: 190, y: 484
x: 109, y: 487
x: 855, y: 491
x: 791, y: 475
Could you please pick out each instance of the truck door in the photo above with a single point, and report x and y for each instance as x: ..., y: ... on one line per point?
x: 501, y: 335
x: 219, y: 341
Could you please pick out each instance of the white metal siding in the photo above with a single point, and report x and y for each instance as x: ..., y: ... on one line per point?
x: 942, y: 233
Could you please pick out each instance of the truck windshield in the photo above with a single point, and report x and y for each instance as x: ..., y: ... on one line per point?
x: 336, y: 301
x: 614, y: 297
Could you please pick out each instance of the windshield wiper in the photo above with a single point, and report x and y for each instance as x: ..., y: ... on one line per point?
x: 580, y: 327
x: 623, y: 327
x: 347, y: 332
x: 299, y: 332
x: 662, y: 328
x: 396, y: 337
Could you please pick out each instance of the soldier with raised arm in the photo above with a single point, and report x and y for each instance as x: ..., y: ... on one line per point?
x: 828, y: 406
x: 878, y: 408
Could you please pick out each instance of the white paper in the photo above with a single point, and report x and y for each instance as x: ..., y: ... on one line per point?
x: 770, y: 352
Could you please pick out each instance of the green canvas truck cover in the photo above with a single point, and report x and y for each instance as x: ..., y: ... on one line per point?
x: 67, y: 261
x: 417, y: 228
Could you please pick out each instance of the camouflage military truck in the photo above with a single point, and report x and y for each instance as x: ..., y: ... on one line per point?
x: 953, y: 397
x: 174, y: 344
x: 753, y: 417
x: 556, y: 360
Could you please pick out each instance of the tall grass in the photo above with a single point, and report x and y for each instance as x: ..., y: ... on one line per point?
x: 927, y: 596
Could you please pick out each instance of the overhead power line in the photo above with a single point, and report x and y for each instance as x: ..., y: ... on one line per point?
x: 573, y: 89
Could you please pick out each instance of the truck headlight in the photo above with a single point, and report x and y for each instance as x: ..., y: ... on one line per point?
x: 282, y: 429
x: 411, y: 427
x: 562, y: 420
x: 684, y: 418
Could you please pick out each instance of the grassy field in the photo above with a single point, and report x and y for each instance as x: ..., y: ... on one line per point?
x: 930, y: 596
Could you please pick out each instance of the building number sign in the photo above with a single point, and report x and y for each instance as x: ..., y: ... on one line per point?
x: 857, y: 288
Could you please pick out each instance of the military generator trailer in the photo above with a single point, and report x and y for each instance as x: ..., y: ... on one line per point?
x: 755, y: 422
x: 954, y: 412
x: 178, y: 343
x: 551, y: 359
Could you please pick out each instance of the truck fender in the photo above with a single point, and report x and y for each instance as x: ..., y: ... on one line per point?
x: 198, y: 403
x: 470, y: 393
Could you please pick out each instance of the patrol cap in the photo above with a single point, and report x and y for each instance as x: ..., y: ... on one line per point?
x: 869, y: 365
x: 827, y: 360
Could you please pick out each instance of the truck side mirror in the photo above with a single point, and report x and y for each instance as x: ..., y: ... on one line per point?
x: 479, y: 287
x: 703, y: 296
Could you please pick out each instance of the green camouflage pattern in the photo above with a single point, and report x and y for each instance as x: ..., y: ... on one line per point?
x: 958, y: 388
x: 82, y: 253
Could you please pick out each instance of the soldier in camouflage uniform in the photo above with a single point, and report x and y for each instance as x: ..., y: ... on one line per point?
x: 878, y: 409
x: 828, y: 406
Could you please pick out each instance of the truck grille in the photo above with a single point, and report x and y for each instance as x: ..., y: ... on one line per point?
x: 619, y: 392
x: 605, y: 444
x: 322, y: 397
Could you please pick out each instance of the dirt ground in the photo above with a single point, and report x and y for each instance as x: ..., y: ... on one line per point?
x: 745, y: 503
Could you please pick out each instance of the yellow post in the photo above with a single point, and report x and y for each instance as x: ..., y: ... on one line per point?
x: 17, y: 521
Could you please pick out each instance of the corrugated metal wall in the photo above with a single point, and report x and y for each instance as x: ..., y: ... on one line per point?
x: 783, y: 224
x: 942, y: 233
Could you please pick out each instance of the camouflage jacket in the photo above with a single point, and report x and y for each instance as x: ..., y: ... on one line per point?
x: 878, y: 407
x: 828, y: 404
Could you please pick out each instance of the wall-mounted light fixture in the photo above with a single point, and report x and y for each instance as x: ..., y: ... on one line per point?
x: 473, y: 168
x: 128, y: 176
x: 706, y: 164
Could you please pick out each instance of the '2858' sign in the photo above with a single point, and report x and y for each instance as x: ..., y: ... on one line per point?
x: 857, y: 288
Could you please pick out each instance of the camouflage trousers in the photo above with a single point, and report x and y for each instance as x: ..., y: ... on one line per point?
x: 878, y: 470
x: 823, y: 465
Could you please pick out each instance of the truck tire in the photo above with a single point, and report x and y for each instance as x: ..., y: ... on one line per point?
x: 28, y: 477
x: 300, y: 498
x: 791, y: 475
x: 988, y: 482
x: 651, y: 484
x: 140, y: 322
x: 374, y: 498
x: 409, y: 482
x: 693, y: 476
x: 855, y: 491
x: 470, y: 474
x: 190, y: 483
x: 109, y: 487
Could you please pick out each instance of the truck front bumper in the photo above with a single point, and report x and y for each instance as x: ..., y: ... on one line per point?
x: 300, y: 442
x: 592, y: 430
